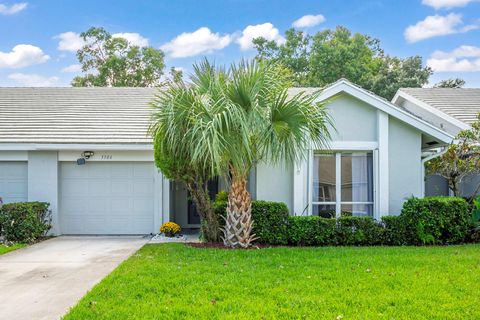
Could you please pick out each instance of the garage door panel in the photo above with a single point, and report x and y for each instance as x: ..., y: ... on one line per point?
x: 98, y: 170
x: 143, y: 170
x: 72, y: 205
x: 122, y: 170
x: 100, y: 205
x: 16, y: 188
x: 72, y: 170
x: 75, y: 225
x: 142, y: 187
x: 74, y: 187
x: 15, y: 170
x: 122, y: 187
x: 107, y: 198
x: 13, y: 181
x: 121, y: 205
x: 142, y: 206
x: 99, y: 187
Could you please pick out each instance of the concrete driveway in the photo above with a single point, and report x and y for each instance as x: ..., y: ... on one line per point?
x: 43, y: 281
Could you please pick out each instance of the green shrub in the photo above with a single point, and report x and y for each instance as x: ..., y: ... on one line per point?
x: 394, y: 233
x: 270, y: 220
x: 436, y: 220
x: 311, y: 231
x: 344, y: 231
x: 475, y: 220
x: 25, y: 221
x: 222, y: 196
x: 358, y: 231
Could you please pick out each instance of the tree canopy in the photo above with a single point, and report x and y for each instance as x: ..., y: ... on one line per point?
x: 109, y: 61
x: 329, y: 55
x: 228, y: 121
x: 450, y: 83
x: 460, y: 159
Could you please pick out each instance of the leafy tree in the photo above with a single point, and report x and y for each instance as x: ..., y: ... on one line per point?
x: 176, y: 75
x: 239, y: 117
x: 461, y: 159
x: 329, y: 55
x: 450, y: 83
x: 114, y: 62
x: 174, y: 115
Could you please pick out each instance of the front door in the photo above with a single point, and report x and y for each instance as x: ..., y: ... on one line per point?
x: 193, y: 215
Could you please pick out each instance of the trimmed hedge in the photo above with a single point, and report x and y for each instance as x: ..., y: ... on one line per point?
x: 436, y: 220
x: 270, y: 220
x: 24, y: 222
x: 432, y: 220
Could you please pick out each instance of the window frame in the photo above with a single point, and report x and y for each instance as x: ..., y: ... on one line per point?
x: 338, y: 179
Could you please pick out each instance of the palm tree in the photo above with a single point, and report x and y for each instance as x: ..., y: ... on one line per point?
x: 243, y: 116
x: 175, y: 112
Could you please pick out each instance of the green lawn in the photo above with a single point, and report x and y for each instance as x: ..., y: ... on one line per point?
x: 173, y: 281
x: 5, y: 249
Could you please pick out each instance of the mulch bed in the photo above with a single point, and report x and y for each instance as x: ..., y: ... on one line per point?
x: 219, y: 245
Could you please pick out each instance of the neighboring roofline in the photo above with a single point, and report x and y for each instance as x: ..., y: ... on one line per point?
x: 346, y: 86
x: 74, y: 146
x: 402, y: 94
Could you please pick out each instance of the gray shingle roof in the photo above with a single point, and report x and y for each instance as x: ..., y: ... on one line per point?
x: 462, y: 104
x: 78, y: 115
x: 75, y: 115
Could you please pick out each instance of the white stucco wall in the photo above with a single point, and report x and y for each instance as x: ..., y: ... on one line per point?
x: 275, y: 183
x: 354, y: 120
x: 357, y: 123
x: 405, y: 178
x: 43, y: 181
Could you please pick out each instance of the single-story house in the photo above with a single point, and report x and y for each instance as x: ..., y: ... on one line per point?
x: 87, y: 152
x: 450, y: 109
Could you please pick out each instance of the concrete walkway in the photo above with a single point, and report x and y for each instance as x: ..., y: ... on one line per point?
x: 43, y: 281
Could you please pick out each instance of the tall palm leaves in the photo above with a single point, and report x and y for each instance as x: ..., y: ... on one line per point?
x: 228, y: 121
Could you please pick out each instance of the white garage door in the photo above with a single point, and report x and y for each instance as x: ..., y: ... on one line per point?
x: 106, y: 198
x: 13, y: 181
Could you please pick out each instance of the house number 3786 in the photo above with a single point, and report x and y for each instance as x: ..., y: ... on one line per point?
x: 106, y: 157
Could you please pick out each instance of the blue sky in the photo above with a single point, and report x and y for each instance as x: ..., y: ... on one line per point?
x: 39, y: 38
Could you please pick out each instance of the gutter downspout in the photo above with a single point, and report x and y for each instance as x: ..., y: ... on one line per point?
x: 428, y: 158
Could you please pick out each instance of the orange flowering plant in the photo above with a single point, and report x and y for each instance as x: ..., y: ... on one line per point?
x: 170, y: 229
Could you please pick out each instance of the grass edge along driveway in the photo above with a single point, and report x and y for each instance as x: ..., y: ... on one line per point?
x: 4, y: 249
x: 174, y: 281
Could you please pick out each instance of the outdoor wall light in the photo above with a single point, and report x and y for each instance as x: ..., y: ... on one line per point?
x: 85, y: 156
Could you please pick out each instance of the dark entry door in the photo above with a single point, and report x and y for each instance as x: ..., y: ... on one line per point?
x: 193, y: 215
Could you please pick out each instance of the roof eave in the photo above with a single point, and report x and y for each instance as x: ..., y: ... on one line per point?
x: 346, y: 86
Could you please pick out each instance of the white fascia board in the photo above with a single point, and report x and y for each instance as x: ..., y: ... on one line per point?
x: 423, y: 105
x: 93, y: 147
x: 385, y: 106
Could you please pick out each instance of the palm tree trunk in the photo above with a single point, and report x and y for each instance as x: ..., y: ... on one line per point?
x: 238, y: 222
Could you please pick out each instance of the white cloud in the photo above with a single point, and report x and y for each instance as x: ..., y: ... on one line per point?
x: 33, y: 80
x: 73, y: 68
x: 22, y: 55
x: 190, y: 44
x: 437, y: 25
x: 70, y: 41
x: 265, y: 30
x: 14, y: 8
x: 132, y: 37
x: 308, y: 20
x: 439, y: 4
x: 462, y: 59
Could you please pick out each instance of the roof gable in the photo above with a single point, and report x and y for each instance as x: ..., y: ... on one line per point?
x: 459, y: 106
x: 345, y: 86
